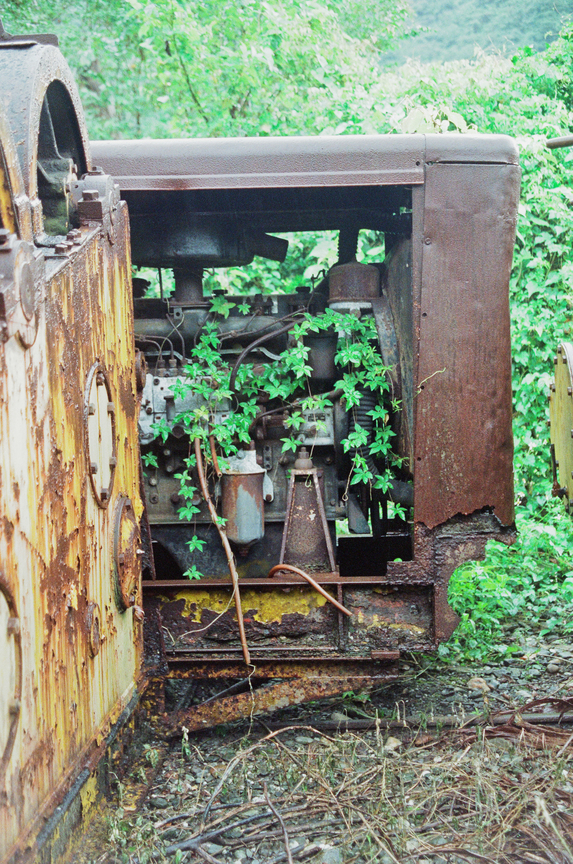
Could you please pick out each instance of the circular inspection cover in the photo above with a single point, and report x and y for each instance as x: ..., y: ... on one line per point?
x: 561, y: 419
x: 11, y: 678
x: 99, y: 423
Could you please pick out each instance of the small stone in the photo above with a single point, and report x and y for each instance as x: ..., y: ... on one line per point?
x: 552, y: 667
x: 500, y: 744
x: 329, y: 855
x: 478, y: 684
x: 392, y: 744
x: 304, y: 739
x: 298, y: 843
x: 524, y: 694
x: 212, y: 848
x: 159, y: 802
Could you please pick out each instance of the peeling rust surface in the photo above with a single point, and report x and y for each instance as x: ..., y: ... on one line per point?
x: 267, y: 699
x: 81, y: 655
x: 463, y: 437
x: 561, y: 419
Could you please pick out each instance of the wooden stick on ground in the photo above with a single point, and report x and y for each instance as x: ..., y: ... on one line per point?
x: 276, y: 813
x: 226, y: 547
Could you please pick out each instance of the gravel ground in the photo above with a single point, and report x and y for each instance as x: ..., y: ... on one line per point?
x: 289, y: 788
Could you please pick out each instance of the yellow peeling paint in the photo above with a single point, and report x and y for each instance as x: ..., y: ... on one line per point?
x: 89, y: 796
x: 268, y: 606
x: 377, y: 621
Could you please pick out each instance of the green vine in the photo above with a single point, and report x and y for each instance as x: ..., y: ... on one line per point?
x: 228, y: 398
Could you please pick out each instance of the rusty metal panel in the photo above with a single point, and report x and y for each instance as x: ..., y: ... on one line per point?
x: 315, y: 684
x: 30, y: 71
x: 463, y: 439
x: 243, y: 163
x: 472, y: 148
x: 72, y: 654
x: 561, y: 419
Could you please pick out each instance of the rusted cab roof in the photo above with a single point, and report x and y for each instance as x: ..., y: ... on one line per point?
x: 333, y: 160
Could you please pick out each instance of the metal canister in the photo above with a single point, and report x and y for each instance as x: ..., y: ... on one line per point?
x: 242, y: 499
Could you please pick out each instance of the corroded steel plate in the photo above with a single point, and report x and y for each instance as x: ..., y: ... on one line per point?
x: 561, y: 418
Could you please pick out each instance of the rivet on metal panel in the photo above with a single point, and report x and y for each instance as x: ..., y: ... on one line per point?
x: 111, y: 408
x: 100, y: 379
x: 91, y: 408
x: 569, y: 391
x: 90, y: 195
x: 154, y: 499
x: 555, y: 361
x: 13, y: 626
x: 104, y: 494
x: 552, y: 388
x: 112, y: 461
x: 427, y: 241
x: 93, y: 467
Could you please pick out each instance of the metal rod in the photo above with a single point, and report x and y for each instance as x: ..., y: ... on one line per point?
x: 554, y: 143
x: 310, y: 581
x: 226, y: 547
x: 321, y: 510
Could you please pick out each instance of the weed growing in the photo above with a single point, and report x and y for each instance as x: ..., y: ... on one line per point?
x: 527, y: 586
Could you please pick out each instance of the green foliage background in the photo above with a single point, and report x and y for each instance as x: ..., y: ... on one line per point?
x: 451, y: 29
x: 249, y: 67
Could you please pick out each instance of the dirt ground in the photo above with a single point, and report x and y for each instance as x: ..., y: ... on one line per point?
x: 403, y: 774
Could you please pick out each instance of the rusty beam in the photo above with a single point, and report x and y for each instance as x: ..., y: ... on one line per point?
x: 311, y: 668
x: 265, y: 700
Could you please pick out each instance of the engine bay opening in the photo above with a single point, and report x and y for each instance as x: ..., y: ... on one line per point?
x: 274, y: 328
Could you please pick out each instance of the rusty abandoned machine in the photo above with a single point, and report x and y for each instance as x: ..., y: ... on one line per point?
x: 89, y: 539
